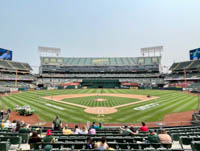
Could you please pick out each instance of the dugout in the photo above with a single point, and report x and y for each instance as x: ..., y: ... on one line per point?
x: 100, y: 83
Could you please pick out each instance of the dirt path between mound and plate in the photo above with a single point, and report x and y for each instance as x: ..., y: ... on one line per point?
x: 100, y: 110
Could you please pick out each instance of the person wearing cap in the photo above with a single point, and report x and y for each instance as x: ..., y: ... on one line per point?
x: 152, y: 137
x: 94, y: 125
x: 100, y: 127
x: 164, y: 137
x: 67, y: 131
x: 48, y: 138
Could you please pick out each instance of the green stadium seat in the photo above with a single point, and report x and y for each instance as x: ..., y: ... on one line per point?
x: 134, y: 146
x: 168, y: 146
x: 195, y: 145
x: 14, y: 140
x: 155, y: 145
x: 184, y: 140
x: 4, y: 145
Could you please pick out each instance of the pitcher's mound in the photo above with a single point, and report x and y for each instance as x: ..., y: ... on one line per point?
x: 100, y: 110
x: 100, y: 100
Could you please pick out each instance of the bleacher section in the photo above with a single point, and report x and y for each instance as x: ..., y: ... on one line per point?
x: 185, y: 75
x: 15, y: 75
x: 187, y: 65
x: 11, y: 65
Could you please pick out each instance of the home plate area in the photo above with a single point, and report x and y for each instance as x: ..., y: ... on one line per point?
x: 100, y: 100
x: 100, y: 110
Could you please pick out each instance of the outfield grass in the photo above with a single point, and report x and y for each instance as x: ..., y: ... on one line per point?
x: 169, y: 102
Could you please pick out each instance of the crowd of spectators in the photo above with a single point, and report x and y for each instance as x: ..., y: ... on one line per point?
x: 22, y: 127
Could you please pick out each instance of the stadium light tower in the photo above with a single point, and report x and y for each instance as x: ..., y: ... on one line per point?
x: 49, y: 51
x: 152, y: 51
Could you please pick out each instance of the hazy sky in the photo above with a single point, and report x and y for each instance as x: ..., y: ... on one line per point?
x: 99, y: 28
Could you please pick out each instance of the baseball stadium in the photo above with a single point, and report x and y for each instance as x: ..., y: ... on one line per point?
x: 115, y: 91
x: 99, y: 75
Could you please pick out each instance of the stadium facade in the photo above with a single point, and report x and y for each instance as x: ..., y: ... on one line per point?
x: 15, y: 75
x: 113, y: 72
x: 185, y: 75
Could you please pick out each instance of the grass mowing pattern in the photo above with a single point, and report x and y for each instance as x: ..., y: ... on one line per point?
x: 169, y: 102
x: 110, y: 101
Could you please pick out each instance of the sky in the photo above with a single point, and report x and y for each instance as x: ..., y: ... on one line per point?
x: 99, y: 28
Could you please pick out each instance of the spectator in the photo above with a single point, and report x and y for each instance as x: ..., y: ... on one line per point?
x: 164, y: 137
x: 102, y: 145
x: 77, y: 130
x: 100, y: 127
x: 94, y: 125
x: 67, y: 131
x: 34, y: 139
x: 84, y: 130
x: 126, y: 131
x: 48, y: 138
x: 57, y: 124
x: 144, y: 128
x: 134, y: 130
x: 152, y: 137
x: 92, y: 130
x: 18, y: 126
x: 89, y: 144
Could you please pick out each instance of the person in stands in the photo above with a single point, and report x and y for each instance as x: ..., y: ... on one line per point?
x: 102, y: 145
x: 152, y: 137
x: 57, y: 124
x: 84, y: 130
x: 48, y: 139
x: 89, y: 144
x: 126, y: 131
x: 134, y: 129
x: 164, y: 137
x: 144, y: 128
x: 94, y: 125
x: 77, y: 130
x: 34, y: 139
x: 66, y: 130
x: 100, y: 127
x: 92, y: 130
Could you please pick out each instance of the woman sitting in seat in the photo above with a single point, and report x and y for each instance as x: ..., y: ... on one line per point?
x: 102, y: 145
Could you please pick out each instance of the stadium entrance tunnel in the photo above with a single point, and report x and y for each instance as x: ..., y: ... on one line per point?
x: 100, y: 83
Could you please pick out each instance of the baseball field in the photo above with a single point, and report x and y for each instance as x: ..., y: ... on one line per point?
x: 106, y: 105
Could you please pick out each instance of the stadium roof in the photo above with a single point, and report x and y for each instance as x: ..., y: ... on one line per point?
x: 12, y: 65
x: 186, y: 65
x: 120, y: 61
